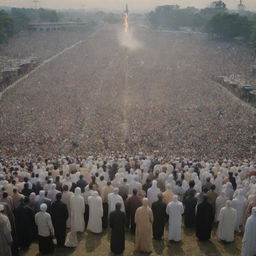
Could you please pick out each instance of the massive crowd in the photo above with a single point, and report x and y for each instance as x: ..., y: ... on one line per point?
x: 40, y: 199
x: 80, y: 102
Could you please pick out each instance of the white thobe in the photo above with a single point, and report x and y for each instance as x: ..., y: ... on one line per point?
x: 95, y: 214
x: 220, y: 202
x: 239, y: 203
x: 113, y: 199
x: 227, y: 224
x: 66, y: 199
x: 249, y: 244
x: 175, y: 211
x: 77, y: 206
x: 152, y: 194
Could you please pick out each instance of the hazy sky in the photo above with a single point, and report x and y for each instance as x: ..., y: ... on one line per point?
x: 119, y: 4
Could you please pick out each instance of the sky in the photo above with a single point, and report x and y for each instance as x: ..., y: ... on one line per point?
x: 119, y: 4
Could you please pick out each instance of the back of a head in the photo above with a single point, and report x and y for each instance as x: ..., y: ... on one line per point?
x: 43, y: 207
x: 228, y: 203
x: 134, y: 191
x: 145, y: 202
x: 191, y: 183
x: 65, y: 187
x: 213, y: 187
x: 118, y: 206
x: 58, y: 196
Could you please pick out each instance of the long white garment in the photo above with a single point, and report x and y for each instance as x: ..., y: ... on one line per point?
x: 239, y: 203
x: 227, y: 223
x: 220, y: 202
x: 152, y: 193
x: 66, y: 199
x: 113, y: 199
x: 52, y: 192
x: 77, y: 206
x: 95, y: 213
x: 218, y: 183
x: 175, y: 210
x: 249, y: 244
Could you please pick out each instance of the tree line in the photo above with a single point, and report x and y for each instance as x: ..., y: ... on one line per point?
x: 216, y: 20
x: 17, y: 19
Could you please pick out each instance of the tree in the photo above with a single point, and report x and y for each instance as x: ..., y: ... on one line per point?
x: 6, y: 26
x: 229, y: 26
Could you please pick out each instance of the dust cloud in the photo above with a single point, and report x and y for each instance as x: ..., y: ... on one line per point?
x: 127, y: 40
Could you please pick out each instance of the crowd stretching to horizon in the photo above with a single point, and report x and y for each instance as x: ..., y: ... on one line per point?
x: 52, y: 200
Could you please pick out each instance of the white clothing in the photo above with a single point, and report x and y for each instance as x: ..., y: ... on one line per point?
x: 249, y: 245
x: 227, y: 224
x: 152, y: 193
x: 95, y: 213
x: 77, y: 206
x: 113, y: 199
x: 175, y: 210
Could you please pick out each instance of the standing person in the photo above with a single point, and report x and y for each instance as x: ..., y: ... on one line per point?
x: 66, y: 199
x: 190, y: 210
x: 132, y: 204
x: 239, y: 203
x: 105, y: 192
x: 24, y: 221
x: 175, y: 210
x: 168, y: 194
x: 212, y: 196
x: 153, y: 192
x: 77, y: 207
x: 227, y: 223
x: 220, y: 202
x: 117, y: 225
x: 59, y: 214
x: 5, y: 234
x: 95, y: 213
x: 204, y: 220
x: 45, y: 230
x: 144, y: 220
x: 159, y: 214
x: 249, y: 245
x: 113, y: 199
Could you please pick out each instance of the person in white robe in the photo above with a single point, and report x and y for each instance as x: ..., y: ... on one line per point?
x: 135, y: 184
x: 175, y: 210
x: 227, y: 223
x: 52, y: 193
x: 249, y: 238
x: 220, y: 202
x: 113, y: 199
x: 229, y: 190
x: 95, y: 213
x: 66, y: 199
x: 239, y: 203
x: 218, y: 182
x: 77, y: 207
x: 152, y: 193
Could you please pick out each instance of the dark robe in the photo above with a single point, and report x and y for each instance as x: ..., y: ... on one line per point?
x: 204, y: 221
x: 45, y: 245
x: 105, y: 216
x: 117, y: 225
x: 132, y: 204
x: 190, y: 211
x: 59, y: 214
x: 160, y: 217
x: 25, y: 225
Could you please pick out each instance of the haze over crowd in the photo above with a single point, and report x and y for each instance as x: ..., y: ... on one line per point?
x: 119, y: 4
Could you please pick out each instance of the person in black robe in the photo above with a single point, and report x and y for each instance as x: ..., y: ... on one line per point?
x: 117, y: 225
x: 25, y: 224
x: 160, y: 217
x: 204, y: 220
x: 59, y: 214
x: 190, y: 210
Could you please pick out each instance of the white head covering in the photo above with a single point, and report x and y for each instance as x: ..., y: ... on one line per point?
x: 175, y: 198
x: 78, y: 191
x: 42, y: 193
x: 1, y: 208
x: 43, y: 207
x: 228, y: 203
x: 116, y: 190
x: 254, y: 211
x: 145, y: 202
